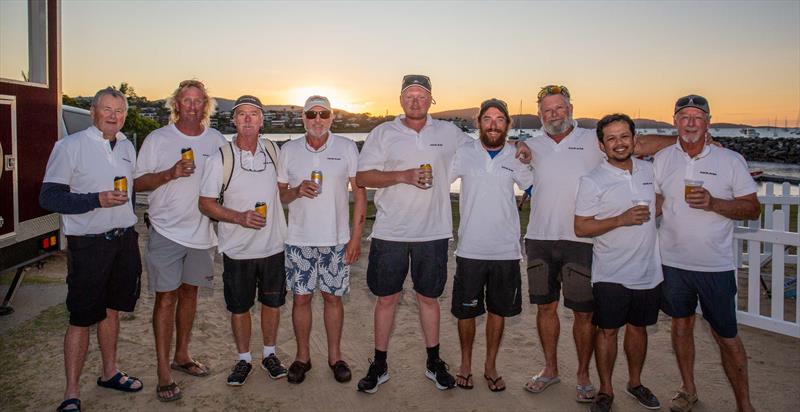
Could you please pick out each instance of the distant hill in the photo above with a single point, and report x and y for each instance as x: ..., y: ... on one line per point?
x: 467, y: 114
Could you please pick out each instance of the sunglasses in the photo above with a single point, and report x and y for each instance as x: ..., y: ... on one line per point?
x: 552, y: 89
x: 312, y: 114
x: 691, y: 101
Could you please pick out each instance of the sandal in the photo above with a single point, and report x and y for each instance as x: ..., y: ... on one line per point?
x: 70, y: 402
x: 543, y: 382
x: 172, y: 387
x: 492, y: 383
x: 114, y: 382
x: 191, y: 368
x: 467, y: 379
x: 585, y: 393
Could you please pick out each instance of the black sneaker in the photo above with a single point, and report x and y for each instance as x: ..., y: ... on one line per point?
x: 273, y: 366
x: 644, y: 396
x: 239, y: 373
x: 437, y: 372
x: 602, y: 403
x: 376, y: 375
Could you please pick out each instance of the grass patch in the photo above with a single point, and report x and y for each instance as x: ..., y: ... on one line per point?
x: 7, y: 277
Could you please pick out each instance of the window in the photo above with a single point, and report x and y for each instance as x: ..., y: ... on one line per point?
x: 23, y: 41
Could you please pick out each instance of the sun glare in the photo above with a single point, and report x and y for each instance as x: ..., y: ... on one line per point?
x: 339, y: 99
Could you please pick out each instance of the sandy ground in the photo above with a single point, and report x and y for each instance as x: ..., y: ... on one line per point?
x: 31, y: 360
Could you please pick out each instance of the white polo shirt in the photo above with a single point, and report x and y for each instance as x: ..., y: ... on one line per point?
x: 322, y: 221
x: 173, y: 206
x: 489, y: 228
x: 86, y: 162
x: 627, y: 255
x: 406, y: 213
x: 245, y: 190
x: 557, y: 167
x: 694, y: 239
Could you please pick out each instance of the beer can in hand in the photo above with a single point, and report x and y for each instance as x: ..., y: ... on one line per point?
x: 187, y: 154
x: 121, y: 183
x: 316, y: 177
x: 428, y: 181
x: 261, y: 209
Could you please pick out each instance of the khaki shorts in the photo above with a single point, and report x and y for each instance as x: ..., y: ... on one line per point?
x: 553, y: 264
x: 169, y: 264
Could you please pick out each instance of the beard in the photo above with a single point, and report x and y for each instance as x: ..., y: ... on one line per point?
x: 691, y: 139
x: 313, y: 133
x: 556, y: 127
x: 491, y: 142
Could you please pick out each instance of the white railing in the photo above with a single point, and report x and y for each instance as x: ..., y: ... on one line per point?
x: 770, y: 237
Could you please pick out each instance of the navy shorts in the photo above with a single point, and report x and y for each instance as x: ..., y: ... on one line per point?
x: 102, y: 274
x: 389, y: 263
x: 553, y: 263
x: 716, y: 292
x: 242, y: 278
x: 501, y: 281
x: 616, y: 305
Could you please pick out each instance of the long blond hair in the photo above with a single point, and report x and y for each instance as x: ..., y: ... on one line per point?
x: 209, y: 107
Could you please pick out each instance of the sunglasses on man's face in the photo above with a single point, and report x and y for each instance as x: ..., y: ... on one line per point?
x: 312, y: 114
x: 552, y: 89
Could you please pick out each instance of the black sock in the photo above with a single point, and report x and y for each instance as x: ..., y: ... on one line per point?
x: 433, y: 353
x: 380, y: 357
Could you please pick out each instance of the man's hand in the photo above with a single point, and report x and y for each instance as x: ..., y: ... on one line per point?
x: 307, y: 189
x: 111, y: 198
x: 181, y: 168
x: 524, y: 153
x: 699, y: 198
x: 418, y: 177
x: 635, y: 216
x: 352, y: 251
x: 251, y: 219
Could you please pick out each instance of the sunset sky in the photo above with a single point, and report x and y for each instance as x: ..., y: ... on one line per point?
x: 633, y: 57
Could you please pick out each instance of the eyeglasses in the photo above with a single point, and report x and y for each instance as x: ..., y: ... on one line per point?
x: 259, y: 153
x: 552, y: 89
x: 312, y: 114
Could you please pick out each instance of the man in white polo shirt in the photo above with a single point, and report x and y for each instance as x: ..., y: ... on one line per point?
x: 488, y: 253
x: 180, y: 249
x: 696, y: 239
x: 614, y: 205
x: 251, y: 243
x: 103, y: 248
x: 556, y: 256
x: 413, y: 221
x: 320, y: 245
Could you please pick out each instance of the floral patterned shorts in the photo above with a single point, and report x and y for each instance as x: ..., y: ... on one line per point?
x: 307, y: 266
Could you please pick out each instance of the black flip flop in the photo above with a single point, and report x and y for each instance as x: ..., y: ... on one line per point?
x: 493, y: 382
x: 114, y: 383
x: 70, y: 402
x: 467, y: 378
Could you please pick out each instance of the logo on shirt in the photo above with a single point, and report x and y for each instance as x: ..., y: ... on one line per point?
x: 707, y: 173
x: 206, y: 155
x: 507, y: 168
x: 436, y: 145
x: 126, y: 159
x: 574, y: 148
x: 334, y: 158
x: 647, y: 183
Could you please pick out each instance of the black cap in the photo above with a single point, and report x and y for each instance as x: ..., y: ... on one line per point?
x: 692, y: 100
x: 416, y: 80
x: 247, y: 99
x: 497, y: 104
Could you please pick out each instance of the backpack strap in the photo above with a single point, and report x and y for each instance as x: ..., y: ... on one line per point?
x: 227, y: 168
x: 272, y: 151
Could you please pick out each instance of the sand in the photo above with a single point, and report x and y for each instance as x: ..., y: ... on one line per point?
x: 31, y: 360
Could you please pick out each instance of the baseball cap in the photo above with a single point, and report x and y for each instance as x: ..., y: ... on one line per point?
x: 692, y: 100
x: 497, y: 104
x: 416, y: 80
x: 316, y: 100
x: 247, y: 99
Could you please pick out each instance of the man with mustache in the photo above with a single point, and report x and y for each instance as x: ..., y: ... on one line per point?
x: 180, y: 249
x: 614, y: 205
x: 320, y: 245
x: 414, y: 221
x: 487, y: 258
x: 696, y: 240
x: 556, y: 255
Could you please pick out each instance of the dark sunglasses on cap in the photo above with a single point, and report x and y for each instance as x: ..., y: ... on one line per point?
x: 699, y: 102
x: 552, y: 89
x: 312, y: 114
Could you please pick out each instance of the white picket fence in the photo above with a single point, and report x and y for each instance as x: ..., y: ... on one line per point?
x: 770, y: 237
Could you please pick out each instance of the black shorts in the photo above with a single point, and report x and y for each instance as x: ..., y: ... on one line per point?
x: 388, y: 266
x: 616, y: 305
x: 500, y: 279
x: 715, y: 290
x: 241, y: 279
x: 553, y: 262
x: 102, y: 274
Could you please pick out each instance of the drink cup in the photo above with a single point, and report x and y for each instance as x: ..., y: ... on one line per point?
x: 690, y: 185
x: 641, y: 202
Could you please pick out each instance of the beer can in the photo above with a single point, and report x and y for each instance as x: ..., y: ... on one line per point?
x: 121, y: 183
x: 261, y: 209
x: 429, y: 169
x: 187, y: 154
x: 316, y: 177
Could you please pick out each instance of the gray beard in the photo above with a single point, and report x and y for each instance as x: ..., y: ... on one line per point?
x: 554, y: 130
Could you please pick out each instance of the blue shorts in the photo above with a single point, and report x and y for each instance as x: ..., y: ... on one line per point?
x: 716, y: 292
x: 309, y: 266
x: 389, y: 263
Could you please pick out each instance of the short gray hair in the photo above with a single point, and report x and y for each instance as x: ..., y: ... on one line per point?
x: 109, y: 91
